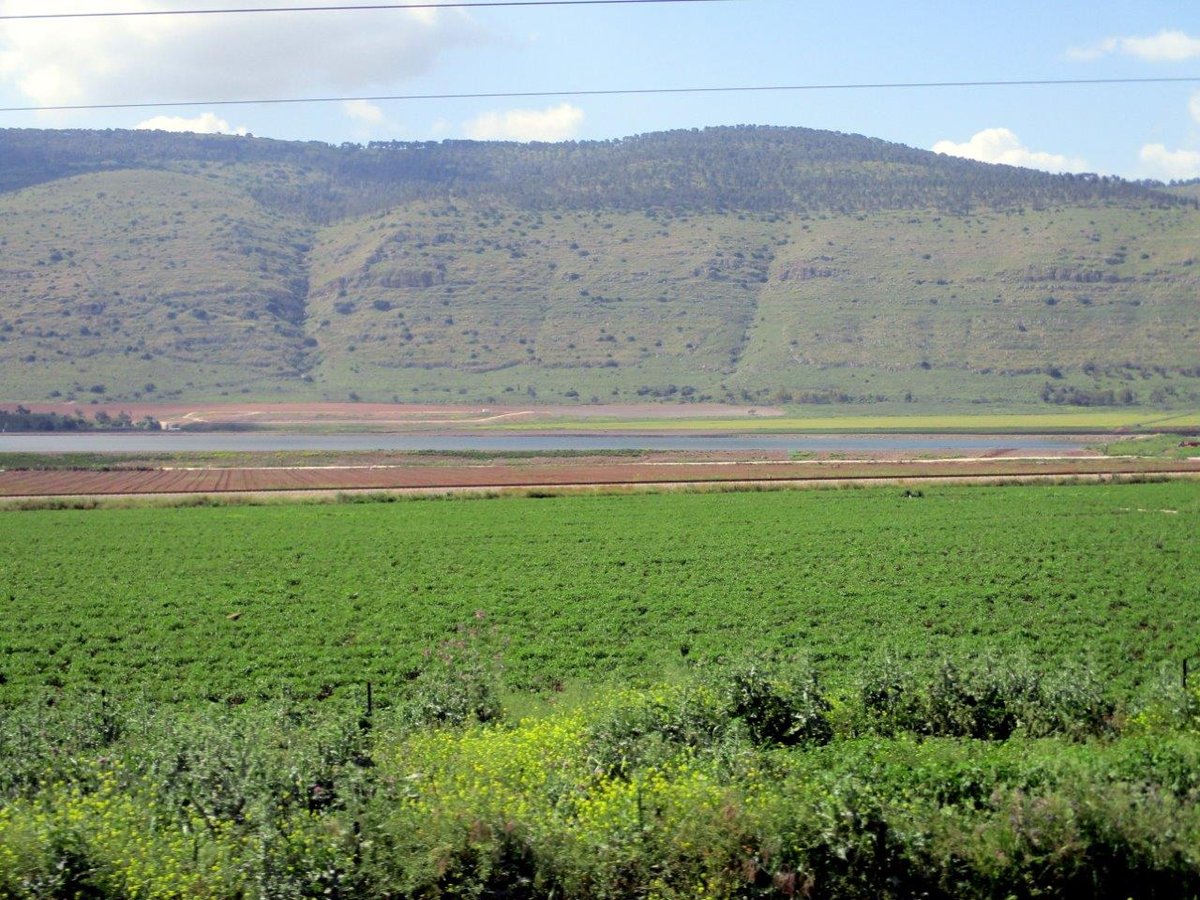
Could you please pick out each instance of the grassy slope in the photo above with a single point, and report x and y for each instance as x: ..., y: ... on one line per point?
x: 128, y: 278
x: 510, y: 300
x: 979, y: 300
x: 488, y: 303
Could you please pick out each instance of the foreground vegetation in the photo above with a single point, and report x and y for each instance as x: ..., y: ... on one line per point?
x: 746, y: 781
x: 971, y: 692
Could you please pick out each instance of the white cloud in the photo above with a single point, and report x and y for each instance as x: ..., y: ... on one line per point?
x: 1194, y: 106
x: 370, y: 122
x: 1000, y: 145
x: 364, y: 112
x: 214, y: 57
x: 555, y: 123
x: 1170, y: 164
x: 1166, y: 46
x: 205, y: 123
x: 1097, y: 50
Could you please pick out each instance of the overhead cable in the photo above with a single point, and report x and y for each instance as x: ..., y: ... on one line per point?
x: 610, y: 92
x: 352, y: 7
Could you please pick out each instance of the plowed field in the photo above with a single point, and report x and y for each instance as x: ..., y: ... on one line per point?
x: 235, y: 480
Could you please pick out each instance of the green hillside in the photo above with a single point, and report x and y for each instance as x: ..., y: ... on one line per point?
x: 786, y: 265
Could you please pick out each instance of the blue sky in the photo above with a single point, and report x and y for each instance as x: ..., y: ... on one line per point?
x: 1134, y: 130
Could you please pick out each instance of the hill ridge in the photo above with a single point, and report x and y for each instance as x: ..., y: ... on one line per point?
x: 742, y: 164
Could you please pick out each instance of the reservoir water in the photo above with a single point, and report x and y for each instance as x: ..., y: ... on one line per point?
x: 154, y: 442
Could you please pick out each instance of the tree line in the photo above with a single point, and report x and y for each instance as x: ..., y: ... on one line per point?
x: 746, y: 168
x: 25, y: 419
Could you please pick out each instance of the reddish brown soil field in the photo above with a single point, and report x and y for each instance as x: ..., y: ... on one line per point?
x: 218, y: 481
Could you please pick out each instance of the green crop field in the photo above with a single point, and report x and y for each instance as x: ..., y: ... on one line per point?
x: 973, y: 692
x: 593, y: 588
x: 847, y: 422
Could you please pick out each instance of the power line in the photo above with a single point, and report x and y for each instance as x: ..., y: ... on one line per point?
x: 357, y: 7
x: 613, y: 92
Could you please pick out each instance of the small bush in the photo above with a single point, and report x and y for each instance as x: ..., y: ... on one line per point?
x: 987, y: 701
x: 649, y: 729
x: 779, y: 708
x: 459, y: 684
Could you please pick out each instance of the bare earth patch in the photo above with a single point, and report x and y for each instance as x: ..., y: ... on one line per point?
x: 399, y: 414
